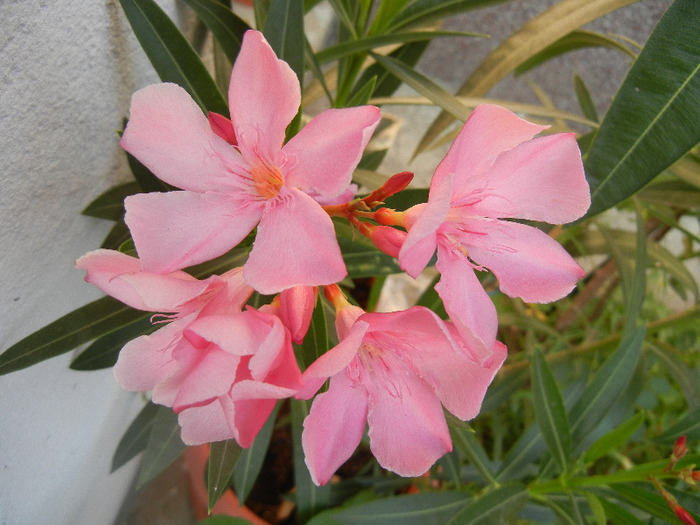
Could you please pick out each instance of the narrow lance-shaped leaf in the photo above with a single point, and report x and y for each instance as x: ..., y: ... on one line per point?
x: 655, y: 116
x: 223, y: 456
x: 110, y: 205
x: 556, y: 22
x: 171, y: 54
x: 608, y: 383
x: 688, y: 425
x: 136, y: 436
x: 575, y: 40
x: 80, y: 326
x: 352, y: 47
x: 550, y: 411
x: 614, y: 438
x: 498, y: 506
x: 315, y: 342
x: 164, y: 446
x: 310, y: 498
x: 432, y: 508
x: 224, y: 24
x: 251, y: 461
x: 104, y: 352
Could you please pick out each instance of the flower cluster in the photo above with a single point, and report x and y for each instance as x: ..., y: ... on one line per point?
x: 222, y: 365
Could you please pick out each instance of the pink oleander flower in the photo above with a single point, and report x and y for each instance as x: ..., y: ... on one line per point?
x: 494, y: 171
x: 237, y: 174
x: 219, y: 368
x: 394, y: 371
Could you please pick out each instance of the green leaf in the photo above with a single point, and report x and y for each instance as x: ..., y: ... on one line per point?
x: 362, y: 260
x: 103, y: 353
x: 467, y: 444
x: 614, y: 438
x: 224, y: 520
x: 171, y: 54
x: 497, y: 506
x: 422, y: 12
x: 596, y: 508
x: 577, y: 39
x: 675, y: 193
x: 362, y: 95
x: 118, y: 235
x: 618, y: 515
x: 226, y: 27
x: 110, y: 205
x: 550, y: 411
x: 251, y: 461
x: 284, y: 31
x: 424, y: 86
x: 310, y: 499
x: 164, y: 446
x: 688, y: 426
x: 361, y: 45
x: 585, y: 100
x: 609, y: 382
x: 386, y: 11
x: 387, y: 83
x: 655, y: 118
x: 136, y: 436
x: 432, y: 508
x: 223, y: 456
x: 527, y: 449
x: 145, y: 178
x: 530, y: 38
x: 80, y: 326
x: 315, y: 343
x: 643, y: 499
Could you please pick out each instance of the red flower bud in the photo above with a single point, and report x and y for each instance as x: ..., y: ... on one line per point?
x: 684, y: 515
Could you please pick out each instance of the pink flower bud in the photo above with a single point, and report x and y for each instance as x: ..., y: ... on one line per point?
x: 387, y: 239
x: 223, y: 127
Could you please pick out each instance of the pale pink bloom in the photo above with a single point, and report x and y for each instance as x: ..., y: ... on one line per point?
x: 220, y: 369
x: 393, y: 371
x: 496, y: 170
x: 238, y: 174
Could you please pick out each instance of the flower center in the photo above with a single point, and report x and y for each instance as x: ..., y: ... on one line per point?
x: 268, y: 181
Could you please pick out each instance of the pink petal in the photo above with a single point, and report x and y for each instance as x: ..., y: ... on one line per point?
x: 527, y: 262
x: 328, y: 149
x: 334, y: 427
x: 249, y: 416
x: 178, y: 229
x: 295, y: 245
x: 147, y: 360
x: 231, y: 297
x: 296, y: 308
x: 170, y: 135
x: 542, y: 179
x: 459, y: 382
x: 237, y: 334
x: 121, y: 276
x: 247, y: 389
x: 206, y: 424
x: 407, y: 428
x: 333, y: 361
x: 489, y: 131
x: 423, y: 222
x: 211, y: 377
x: 466, y: 302
x: 263, y: 96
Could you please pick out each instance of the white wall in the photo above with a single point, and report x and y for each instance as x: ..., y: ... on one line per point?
x: 67, y: 71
